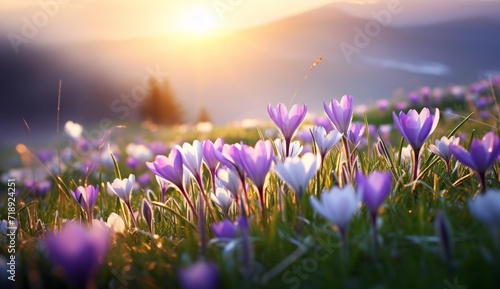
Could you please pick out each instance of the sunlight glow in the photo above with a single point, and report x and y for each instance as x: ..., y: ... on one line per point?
x: 198, y: 20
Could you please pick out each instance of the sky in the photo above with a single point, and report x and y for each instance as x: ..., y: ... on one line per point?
x: 83, y: 20
x: 63, y: 21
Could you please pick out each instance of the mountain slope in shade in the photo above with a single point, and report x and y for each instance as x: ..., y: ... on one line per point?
x: 236, y: 75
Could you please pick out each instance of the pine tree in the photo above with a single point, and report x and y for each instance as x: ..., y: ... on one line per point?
x: 203, y: 115
x: 161, y: 106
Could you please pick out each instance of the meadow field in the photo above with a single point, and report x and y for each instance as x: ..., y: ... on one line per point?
x: 401, y: 195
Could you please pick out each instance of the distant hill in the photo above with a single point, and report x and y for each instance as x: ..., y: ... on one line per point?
x: 235, y: 75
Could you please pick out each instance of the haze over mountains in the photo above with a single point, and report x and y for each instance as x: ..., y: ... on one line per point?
x: 236, y: 75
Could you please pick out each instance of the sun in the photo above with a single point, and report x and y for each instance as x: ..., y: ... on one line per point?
x: 198, y: 20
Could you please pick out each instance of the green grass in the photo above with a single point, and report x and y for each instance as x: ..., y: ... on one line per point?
x: 288, y: 251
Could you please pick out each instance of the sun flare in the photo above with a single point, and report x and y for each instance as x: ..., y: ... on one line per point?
x: 198, y: 20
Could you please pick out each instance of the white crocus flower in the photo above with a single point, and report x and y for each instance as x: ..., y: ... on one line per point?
x: 223, y: 199
x: 486, y: 208
x: 73, y: 129
x: 123, y: 188
x: 116, y: 223
x: 297, y: 172
x: 192, y: 157
x: 325, y: 141
x: 139, y: 151
x: 295, y: 148
x: 338, y: 206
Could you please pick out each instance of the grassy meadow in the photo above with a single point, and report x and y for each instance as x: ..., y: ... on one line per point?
x: 427, y: 236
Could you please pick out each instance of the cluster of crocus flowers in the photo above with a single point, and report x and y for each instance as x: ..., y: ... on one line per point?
x: 339, y: 205
x: 416, y: 128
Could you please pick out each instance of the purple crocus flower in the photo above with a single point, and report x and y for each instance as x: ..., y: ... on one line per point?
x: 413, y: 97
x: 171, y: 169
x: 304, y: 136
x: 441, y: 149
x: 382, y: 104
x: 144, y: 179
x: 83, y: 145
x: 209, y: 156
x: 86, y: 198
x: 132, y: 163
x: 78, y: 252
x: 416, y: 129
x: 484, y: 114
x: 373, y: 190
x: 400, y: 105
x: 287, y: 121
x: 483, y: 154
x: 324, y: 122
x: 39, y: 189
x: 147, y: 215
x: 158, y: 147
x: 230, y: 157
x: 340, y: 113
x: 355, y: 133
x: 443, y: 231
x: 256, y: 162
x: 225, y: 229
x: 45, y: 156
x: 200, y: 275
x: 425, y: 93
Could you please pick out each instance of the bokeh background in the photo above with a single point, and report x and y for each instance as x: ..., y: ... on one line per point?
x: 226, y: 60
